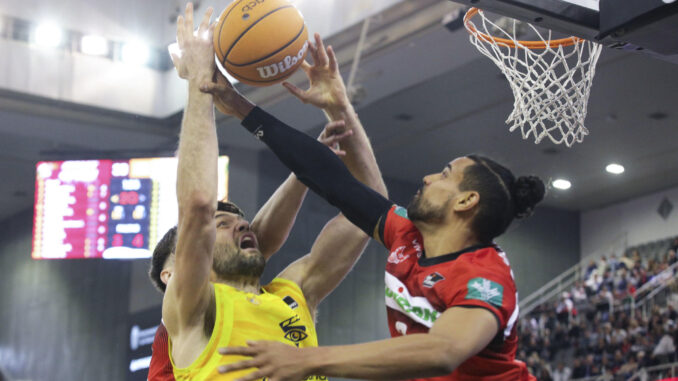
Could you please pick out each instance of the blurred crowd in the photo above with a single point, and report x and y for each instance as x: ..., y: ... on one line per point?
x: 593, y: 330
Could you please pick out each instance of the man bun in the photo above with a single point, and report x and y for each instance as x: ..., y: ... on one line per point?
x: 527, y: 192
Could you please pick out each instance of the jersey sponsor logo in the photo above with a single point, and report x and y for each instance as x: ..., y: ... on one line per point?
x: 485, y: 290
x: 291, y: 302
x: 402, y: 212
x: 294, y: 333
x: 417, y: 308
x: 397, y: 255
x: 401, y: 328
x: 417, y: 247
x: 432, y: 279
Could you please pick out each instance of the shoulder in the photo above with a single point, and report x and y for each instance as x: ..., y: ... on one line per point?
x: 395, y: 225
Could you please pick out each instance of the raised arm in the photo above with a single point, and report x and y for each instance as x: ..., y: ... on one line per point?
x: 188, y: 292
x: 340, y: 243
x: 314, y: 164
x: 275, y: 219
x: 327, y: 91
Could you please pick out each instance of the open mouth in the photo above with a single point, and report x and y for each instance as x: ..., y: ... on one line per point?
x: 248, y: 242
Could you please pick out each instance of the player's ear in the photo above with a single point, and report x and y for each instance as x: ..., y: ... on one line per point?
x: 466, y: 200
x: 165, y: 275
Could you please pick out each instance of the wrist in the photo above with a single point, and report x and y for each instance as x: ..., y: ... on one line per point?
x: 314, y: 360
x: 241, y: 106
x: 339, y: 111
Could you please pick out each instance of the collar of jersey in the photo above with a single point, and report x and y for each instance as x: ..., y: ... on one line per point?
x: 423, y: 261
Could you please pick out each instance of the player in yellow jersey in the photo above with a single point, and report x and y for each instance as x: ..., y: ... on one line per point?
x: 213, y: 296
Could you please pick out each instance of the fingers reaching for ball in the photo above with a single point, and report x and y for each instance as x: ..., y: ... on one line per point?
x: 333, y: 133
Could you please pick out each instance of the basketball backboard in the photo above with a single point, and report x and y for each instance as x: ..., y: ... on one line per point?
x: 644, y: 26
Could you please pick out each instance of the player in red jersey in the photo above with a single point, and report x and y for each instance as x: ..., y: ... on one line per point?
x: 451, y: 298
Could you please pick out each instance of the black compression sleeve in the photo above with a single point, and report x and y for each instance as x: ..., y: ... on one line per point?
x: 319, y: 169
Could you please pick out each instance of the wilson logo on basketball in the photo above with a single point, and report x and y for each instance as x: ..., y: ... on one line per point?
x: 250, y: 5
x: 286, y: 64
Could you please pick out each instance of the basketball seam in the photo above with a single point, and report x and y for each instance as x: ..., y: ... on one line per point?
x: 224, y: 22
x: 303, y: 27
x: 247, y: 30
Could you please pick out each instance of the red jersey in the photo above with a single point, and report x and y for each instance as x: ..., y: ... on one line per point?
x: 161, y: 367
x: 419, y: 289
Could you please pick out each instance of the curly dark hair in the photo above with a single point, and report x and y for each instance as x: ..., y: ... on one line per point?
x: 165, y: 247
x: 502, y: 197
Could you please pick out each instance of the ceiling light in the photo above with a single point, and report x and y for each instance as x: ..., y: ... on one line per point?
x: 94, y: 45
x: 615, y: 168
x: 48, y: 35
x: 135, y: 53
x: 561, y: 184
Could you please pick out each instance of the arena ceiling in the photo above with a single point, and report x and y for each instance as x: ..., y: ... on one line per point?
x: 428, y: 96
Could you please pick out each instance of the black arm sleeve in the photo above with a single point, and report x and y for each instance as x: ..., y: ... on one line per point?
x: 319, y: 169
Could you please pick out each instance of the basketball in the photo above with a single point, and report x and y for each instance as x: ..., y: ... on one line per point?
x: 260, y: 42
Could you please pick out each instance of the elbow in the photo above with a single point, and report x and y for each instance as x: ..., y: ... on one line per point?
x: 198, y: 205
x: 449, y: 357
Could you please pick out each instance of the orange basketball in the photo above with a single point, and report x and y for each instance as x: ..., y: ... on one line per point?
x: 260, y: 42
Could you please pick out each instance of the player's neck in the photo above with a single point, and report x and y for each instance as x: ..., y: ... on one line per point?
x: 445, y: 239
x: 242, y: 283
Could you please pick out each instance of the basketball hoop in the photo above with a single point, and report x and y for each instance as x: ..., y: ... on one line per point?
x: 550, y: 79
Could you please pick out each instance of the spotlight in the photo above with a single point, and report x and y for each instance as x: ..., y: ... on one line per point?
x: 561, y: 184
x: 48, y: 35
x: 94, y: 45
x: 615, y: 169
x: 135, y: 53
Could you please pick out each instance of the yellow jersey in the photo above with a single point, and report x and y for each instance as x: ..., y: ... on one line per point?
x: 279, y: 313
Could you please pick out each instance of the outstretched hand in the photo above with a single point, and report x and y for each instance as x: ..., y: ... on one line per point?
x: 274, y: 360
x: 193, y: 54
x: 327, y: 89
x: 226, y: 98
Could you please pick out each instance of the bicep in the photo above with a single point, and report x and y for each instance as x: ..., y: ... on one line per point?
x: 332, y: 256
x: 468, y: 330
x: 188, y: 290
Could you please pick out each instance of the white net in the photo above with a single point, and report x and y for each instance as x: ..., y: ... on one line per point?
x: 550, y: 79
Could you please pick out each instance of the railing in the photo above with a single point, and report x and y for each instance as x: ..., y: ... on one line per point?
x: 651, y: 373
x: 663, y: 280
x: 565, y: 280
x: 656, y: 372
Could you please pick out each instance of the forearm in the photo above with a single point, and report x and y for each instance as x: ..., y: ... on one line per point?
x: 405, y: 357
x: 198, y: 152
x: 319, y: 168
x: 275, y: 219
x: 359, y: 158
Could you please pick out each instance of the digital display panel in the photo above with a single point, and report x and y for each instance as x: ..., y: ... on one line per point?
x: 114, y: 209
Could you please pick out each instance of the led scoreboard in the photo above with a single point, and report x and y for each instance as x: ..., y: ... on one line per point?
x: 106, y: 208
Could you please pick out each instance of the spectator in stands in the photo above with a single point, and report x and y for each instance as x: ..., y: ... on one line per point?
x: 578, y: 292
x: 671, y: 257
x: 593, y: 283
x: 613, y: 263
x: 628, y: 368
x: 665, y: 350
x: 564, y: 308
x: 626, y: 261
x: 590, y: 269
x: 561, y: 373
x: 602, y: 265
x: 578, y: 368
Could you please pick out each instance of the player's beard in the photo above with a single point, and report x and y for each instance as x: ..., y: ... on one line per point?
x: 422, y: 210
x: 231, y: 261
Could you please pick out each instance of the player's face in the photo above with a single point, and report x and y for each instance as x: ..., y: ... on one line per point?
x: 236, y: 250
x: 433, y: 201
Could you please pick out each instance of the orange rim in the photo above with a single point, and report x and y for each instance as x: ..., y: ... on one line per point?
x: 569, y: 41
